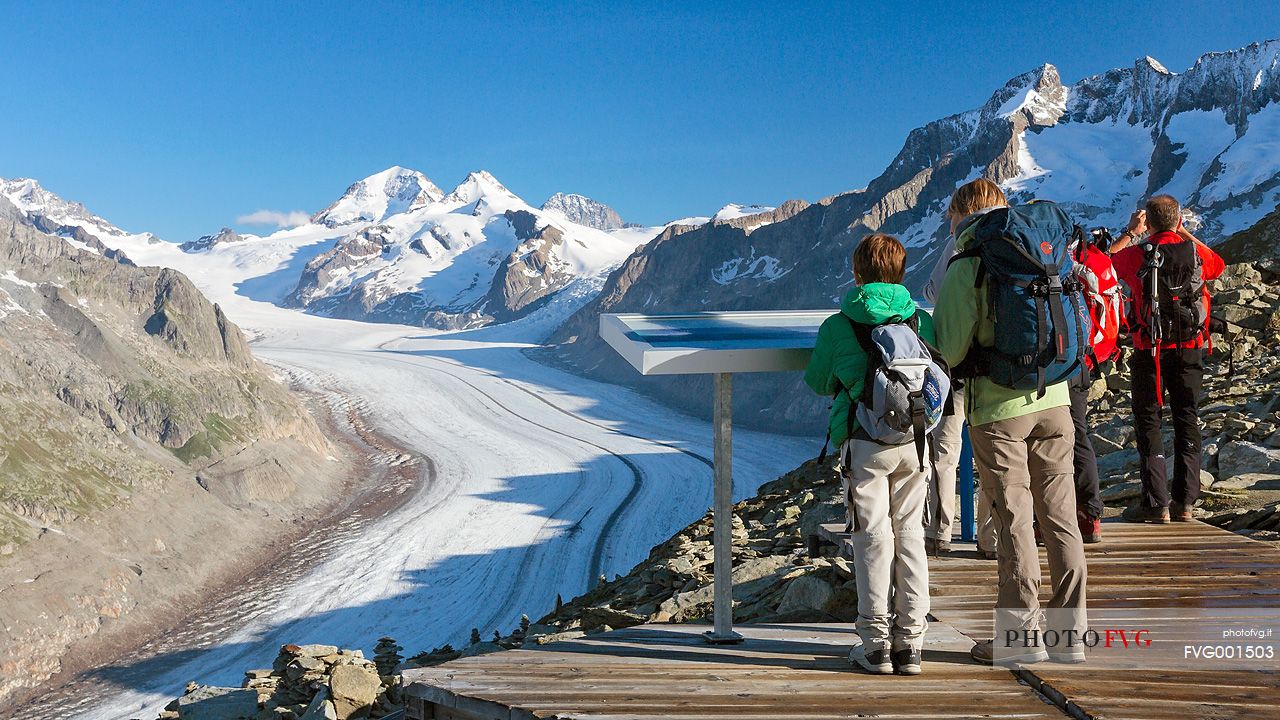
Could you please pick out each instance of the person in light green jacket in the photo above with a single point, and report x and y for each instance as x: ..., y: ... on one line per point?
x: 1024, y: 449
x: 884, y: 485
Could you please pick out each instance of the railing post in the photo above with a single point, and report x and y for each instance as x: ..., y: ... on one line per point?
x: 968, y: 526
x: 722, y: 511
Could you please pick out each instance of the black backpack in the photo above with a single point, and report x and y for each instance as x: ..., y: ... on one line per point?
x: 1172, y: 276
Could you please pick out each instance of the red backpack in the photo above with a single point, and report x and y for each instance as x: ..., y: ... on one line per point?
x: 1104, y: 301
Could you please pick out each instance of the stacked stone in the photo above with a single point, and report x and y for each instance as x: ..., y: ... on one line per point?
x: 386, y: 655
x: 306, y: 682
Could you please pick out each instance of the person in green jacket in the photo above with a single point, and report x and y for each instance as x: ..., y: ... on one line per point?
x: 1023, y: 446
x: 884, y: 486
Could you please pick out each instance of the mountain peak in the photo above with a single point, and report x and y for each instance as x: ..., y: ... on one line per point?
x: 389, y: 192
x: 1148, y: 62
x: 1037, y: 93
x: 478, y: 184
x: 583, y: 210
x: 223, y: 236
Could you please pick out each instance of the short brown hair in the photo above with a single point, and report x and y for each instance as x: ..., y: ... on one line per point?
x: 879, y: 258
x: 973, y: 196
x: 1163, y: 213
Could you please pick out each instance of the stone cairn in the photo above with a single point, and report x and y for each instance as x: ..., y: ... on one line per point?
x: 306, y: 682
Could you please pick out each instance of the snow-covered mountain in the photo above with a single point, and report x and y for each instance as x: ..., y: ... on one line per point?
x: 733, y: 211
x: 395, y: 248
x: 1210, y: 136
x: 583, y: 211
x: 379, y: 196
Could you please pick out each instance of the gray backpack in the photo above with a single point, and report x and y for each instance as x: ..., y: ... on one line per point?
x: 907, y: 387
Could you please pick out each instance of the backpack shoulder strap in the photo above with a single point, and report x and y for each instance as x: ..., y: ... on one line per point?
x: 862, y: 333
x: 972, y: 252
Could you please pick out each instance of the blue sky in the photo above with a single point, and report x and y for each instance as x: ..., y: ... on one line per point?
x: 179, y: 120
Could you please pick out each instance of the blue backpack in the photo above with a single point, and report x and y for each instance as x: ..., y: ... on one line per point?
x: 1041, y: 335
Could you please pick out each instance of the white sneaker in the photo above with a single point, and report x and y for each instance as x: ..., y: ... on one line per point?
x: 876, y: 662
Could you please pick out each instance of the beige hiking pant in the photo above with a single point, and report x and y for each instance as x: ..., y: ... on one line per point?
x: 1026, y: 468
x: 940, y: 512
x: 885, y: 493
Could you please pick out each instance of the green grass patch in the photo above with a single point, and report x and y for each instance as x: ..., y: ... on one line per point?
x: 218, y: 433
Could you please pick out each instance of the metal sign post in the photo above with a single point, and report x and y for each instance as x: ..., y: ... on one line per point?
x: 722, y: 509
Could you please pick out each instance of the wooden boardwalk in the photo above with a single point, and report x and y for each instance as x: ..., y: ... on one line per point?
x: 1189, y: 565
x: 800, y: 671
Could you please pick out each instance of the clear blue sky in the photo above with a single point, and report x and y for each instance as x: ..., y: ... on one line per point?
x: 177, y: 120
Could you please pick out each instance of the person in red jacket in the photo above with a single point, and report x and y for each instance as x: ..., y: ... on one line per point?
x: 1167, y: 359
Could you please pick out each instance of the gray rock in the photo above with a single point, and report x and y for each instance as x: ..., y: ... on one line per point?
x: 604, y: 615
x: 354, y: 688
x: 321, y: 708
x: 557, y: 637
x: 1121, y: 491
x: 1241, y: 457
x: 206, y: 702
x: 1104, y: 446
x: 1249, y: 481
x: 807, y: 592
x: 1118, y: 463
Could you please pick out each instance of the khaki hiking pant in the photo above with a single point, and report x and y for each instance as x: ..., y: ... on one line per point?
x: 1026, y: 465
x: 940, y: 510
x: 884, y: 497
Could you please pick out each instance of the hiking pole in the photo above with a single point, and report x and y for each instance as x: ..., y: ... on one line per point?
x: 1154, y: 332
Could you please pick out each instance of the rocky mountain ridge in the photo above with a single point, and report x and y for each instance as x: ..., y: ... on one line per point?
x: 583, y: 210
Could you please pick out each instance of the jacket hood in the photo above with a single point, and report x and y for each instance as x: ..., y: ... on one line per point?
x: 875, y: 303
x: 969, y: 221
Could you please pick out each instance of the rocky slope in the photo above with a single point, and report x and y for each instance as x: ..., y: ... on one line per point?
x: 1097, y: 146
x: 136, y: 432
x: 1260, y: 242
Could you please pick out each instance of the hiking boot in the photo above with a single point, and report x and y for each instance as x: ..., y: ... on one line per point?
x: 876, y: 662
x: 1140, y: 512
x: 1090, y: 528
x: 1180, y: 512
x: 986, y: 554
x: 906, y: 661
x: 985, y: 653
x: 936, y: 547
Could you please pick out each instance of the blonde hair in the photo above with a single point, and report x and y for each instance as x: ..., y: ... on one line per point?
x: 879, y: 258
x: 974, y: 196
